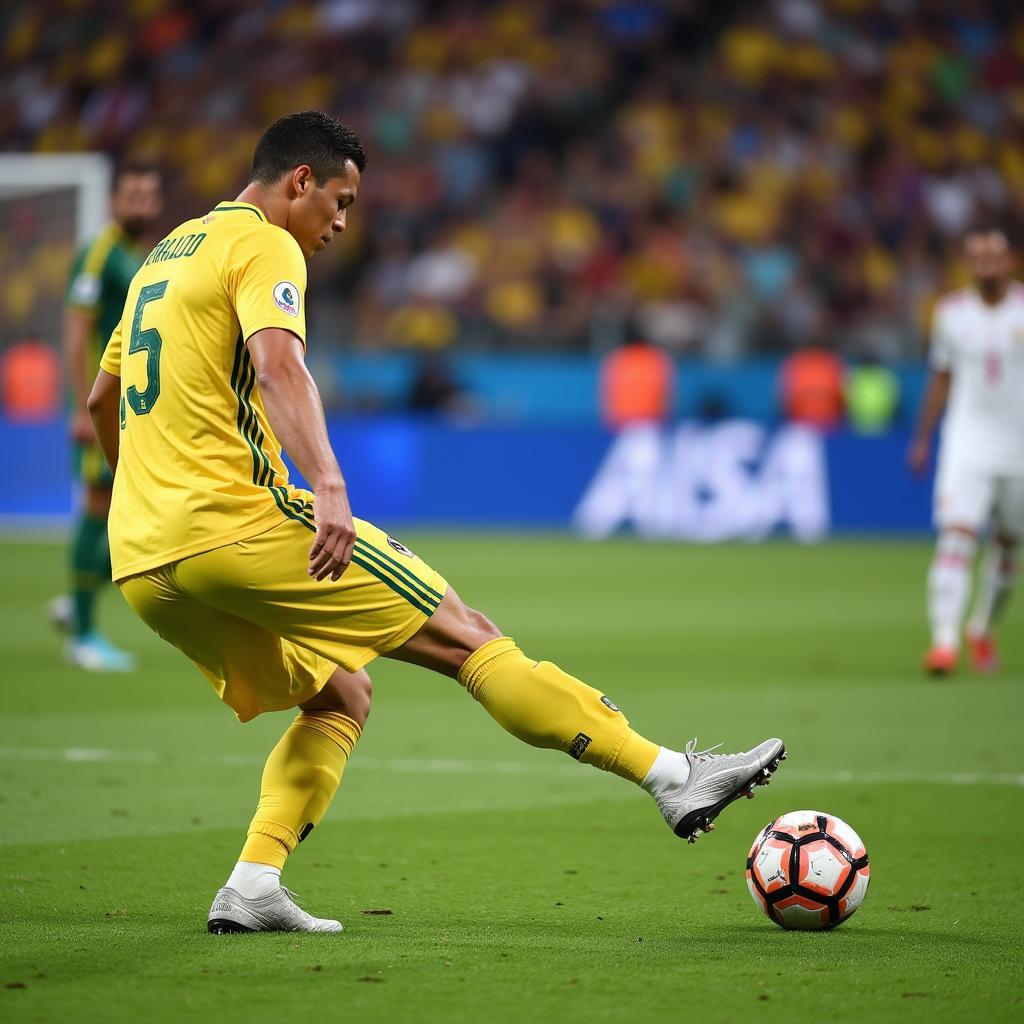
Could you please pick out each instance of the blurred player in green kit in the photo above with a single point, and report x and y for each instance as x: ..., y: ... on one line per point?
x: 100, y: 276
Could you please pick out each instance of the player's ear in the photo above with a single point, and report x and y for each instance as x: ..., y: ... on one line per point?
x: 302, y: 179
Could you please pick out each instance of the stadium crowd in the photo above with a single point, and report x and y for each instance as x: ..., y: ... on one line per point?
x: 739, y: 177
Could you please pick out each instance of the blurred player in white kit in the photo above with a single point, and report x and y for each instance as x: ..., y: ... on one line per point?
x: 977, y: 378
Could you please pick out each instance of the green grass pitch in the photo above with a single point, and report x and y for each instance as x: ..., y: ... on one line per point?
x: 520, y: 886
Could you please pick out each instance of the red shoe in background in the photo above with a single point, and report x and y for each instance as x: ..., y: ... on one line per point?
x: 984, y: 655
x: 940, y: 661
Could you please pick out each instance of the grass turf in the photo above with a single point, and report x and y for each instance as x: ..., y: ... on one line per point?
x: 520, y: 885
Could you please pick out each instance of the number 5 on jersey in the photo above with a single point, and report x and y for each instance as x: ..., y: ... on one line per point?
x: 148, y: 341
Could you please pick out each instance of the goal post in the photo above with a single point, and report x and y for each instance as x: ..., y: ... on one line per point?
x: 50, y: 204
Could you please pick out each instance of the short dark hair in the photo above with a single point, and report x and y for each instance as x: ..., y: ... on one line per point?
x: 987, y: 227
x: 132, y: 166
x: 309, y: 137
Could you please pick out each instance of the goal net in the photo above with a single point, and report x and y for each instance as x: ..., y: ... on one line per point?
x: 50, y: 204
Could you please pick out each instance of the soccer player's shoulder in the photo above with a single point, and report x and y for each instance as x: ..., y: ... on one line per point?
x: 956, y: 299
x: 953, y: 307
x: 101, y: 244
x: 259, y: 238
x: 93, y: 255
x: 85, y: 283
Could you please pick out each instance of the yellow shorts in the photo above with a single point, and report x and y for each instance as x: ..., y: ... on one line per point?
x: 264, y: 632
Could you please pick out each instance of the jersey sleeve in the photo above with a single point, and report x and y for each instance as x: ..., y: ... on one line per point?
x: 86, y: 283
x: 940, y: 346
x: 111, y: 358
x: 265, y: 277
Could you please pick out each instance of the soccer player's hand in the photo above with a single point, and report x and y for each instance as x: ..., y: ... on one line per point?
x: 918, y: 456
x: 82, y: 431
x: 335, y: 534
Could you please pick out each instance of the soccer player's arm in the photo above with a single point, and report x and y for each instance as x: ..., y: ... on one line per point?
x: 104, y: 399
x: 266, y: 278
x: 80, y: 314
x: 935, y: 396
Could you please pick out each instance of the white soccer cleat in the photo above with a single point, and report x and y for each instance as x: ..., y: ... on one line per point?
x: 276, y: 911
x: 714, y: 781
x: 95, y: 653
x: 60, y: 613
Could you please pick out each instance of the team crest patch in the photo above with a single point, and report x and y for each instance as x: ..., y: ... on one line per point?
x: 286, y: 295
x: 85, y: 290
x: 400, y: 547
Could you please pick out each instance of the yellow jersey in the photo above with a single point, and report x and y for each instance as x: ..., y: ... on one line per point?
x: 199, y: 466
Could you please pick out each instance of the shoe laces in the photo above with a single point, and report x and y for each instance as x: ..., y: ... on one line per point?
x: 667, y: 798
x: 293, y: 896
x: 692, y: 751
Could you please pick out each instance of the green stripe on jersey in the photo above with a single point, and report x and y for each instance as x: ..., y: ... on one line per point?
x: 279, y: 497
x: 246, y: 416
x: 227, y: 208
x: 266, y: 473
x: 392, y: 574
x: 242, y: 417
x: 298, y: 506
x: 243, y: 380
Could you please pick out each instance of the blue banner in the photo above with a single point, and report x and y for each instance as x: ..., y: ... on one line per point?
x: 737, y: 479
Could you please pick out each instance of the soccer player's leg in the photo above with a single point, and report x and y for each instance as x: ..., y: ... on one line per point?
x: 949, y: 585
x: 542, y: 705
x: 299, y: 781
x: 389, y: 602
x: 963, y: 502
x: 253, y: 671
x: 86, y: 646
x: 996, y: 576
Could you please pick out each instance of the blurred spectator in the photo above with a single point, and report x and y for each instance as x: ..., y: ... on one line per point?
x: 747, y: 176
x: 811, y: 387
x: 872, y: 397
x: 435, y: 390
x: 636, y: 384
x: 30, y: 381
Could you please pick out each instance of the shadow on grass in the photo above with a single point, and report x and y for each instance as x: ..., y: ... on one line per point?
x: 855, y: 936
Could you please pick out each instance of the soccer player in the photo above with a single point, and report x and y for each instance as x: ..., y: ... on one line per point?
x: 977, y: 369
x: 276, y: 593
x: 100, y: 277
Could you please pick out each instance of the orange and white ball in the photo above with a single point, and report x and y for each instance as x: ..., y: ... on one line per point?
x: 808, y: 870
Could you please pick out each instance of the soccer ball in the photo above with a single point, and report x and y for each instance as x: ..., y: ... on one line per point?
x: 808, y: 870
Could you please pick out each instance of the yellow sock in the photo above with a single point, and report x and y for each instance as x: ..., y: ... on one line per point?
x: 542, y: 705
x: 302, y: 775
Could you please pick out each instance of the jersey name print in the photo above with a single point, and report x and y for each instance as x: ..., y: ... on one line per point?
x: 175, y: 247
x: 199, y: 465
